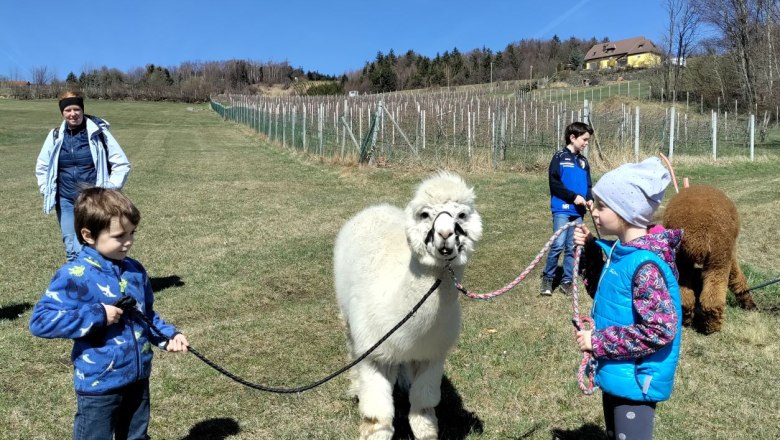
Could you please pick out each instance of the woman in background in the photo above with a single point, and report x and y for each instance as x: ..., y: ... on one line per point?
x: 81, y: 152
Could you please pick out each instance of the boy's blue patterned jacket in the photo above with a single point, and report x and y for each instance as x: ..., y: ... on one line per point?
x: 104, y: 357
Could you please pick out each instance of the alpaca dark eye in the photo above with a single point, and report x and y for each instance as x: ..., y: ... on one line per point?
x: 462, y: 216
x: 425, y: 215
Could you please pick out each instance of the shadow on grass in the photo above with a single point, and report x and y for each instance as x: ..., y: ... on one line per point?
x: 530, y: 432
x: 162, y: 283
x: 9, y: 313
x: 588, y: 431
x: 773, y: 309
x: 455, y: 422
x: 213, y: 429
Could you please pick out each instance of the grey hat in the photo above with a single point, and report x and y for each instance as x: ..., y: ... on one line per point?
x: 634, y: 190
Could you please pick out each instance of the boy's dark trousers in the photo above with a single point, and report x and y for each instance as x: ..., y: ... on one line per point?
x: 121, y: 415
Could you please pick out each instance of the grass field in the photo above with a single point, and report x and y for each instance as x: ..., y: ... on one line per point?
x: 238, y: 237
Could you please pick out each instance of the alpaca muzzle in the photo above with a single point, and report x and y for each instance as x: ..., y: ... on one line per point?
x: 445, y: 237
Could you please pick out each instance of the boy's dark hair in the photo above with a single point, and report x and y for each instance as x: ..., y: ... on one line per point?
x: 95, y: 207
x: 577, y: 129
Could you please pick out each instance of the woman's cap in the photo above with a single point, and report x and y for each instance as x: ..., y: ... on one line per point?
x: 71, y: 100
x: 634, y: 190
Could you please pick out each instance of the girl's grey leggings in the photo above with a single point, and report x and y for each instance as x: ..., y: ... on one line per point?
x: 628, y: 419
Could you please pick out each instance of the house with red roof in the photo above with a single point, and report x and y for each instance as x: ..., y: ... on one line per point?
x: 637, y: 52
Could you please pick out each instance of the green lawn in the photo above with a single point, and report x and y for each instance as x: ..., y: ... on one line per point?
x: 238, y: 237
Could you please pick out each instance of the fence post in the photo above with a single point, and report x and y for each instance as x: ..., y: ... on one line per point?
x: 423, y: 129
x: 292, y: 133
x: 636, y: 135
x: 348, y: 129
x: 403, y: 135
x: 503, y: 135
x: 752, y: 136
x: 494, y: 143
x: 284, y: 125
x: 671, y: 134
x: 714, y: 136
x: 320, y: 123
x: 469, y: 132
x: 276, y: 124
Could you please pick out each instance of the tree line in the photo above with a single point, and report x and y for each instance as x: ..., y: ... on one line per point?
x: 526, y: 59
x: 188, y: 82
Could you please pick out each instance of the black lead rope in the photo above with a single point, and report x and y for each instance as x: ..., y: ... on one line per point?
x: 129, y: 307
x: 762, y: 285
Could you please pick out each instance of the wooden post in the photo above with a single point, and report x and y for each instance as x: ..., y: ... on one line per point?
x: 423, y: 129
x: 493, y: 155
x: 714, y: 136
x: 351, y: 135
x: 636, y: 134
x: 454, y: 145
x: 292, y: 134
x: 752, y: 136
x: 403, y: 135
x: 284, y: 125
x: 469, y: 132
x: 320, y: 123
x: 671, y: 133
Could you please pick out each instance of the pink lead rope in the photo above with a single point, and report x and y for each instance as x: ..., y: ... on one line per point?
x: 588, y: 364
x: 587, y: 368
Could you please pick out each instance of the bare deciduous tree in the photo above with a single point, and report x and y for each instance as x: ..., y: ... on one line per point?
x: 681, y: 34
x: 735, y: 19
x: 41, y: 75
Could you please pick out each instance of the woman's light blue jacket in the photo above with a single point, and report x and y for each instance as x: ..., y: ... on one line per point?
x: 46, y: 165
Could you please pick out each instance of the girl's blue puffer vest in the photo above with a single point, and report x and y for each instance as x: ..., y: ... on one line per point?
x: 650, y: 378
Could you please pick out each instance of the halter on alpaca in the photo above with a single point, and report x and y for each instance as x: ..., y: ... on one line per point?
x: 458, y: 229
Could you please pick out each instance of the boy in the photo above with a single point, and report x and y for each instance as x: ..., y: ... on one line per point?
x: 570, y: 196
x: 112, y: 357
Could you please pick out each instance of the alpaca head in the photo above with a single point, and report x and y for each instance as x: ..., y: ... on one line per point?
x: 442, y: 224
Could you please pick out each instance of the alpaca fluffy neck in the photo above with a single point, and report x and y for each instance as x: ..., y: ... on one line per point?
x: 423, y: 273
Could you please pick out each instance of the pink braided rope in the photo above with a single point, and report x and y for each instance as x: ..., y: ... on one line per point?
x: 588, y: 364
x: 587, y: 368
x: 516, y: 281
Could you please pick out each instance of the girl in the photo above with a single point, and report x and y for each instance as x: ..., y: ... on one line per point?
x: 636, y: 308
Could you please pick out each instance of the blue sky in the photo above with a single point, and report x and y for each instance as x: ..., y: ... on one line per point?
x: 332, y: 36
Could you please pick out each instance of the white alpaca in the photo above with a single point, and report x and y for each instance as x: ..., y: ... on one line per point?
x: 385, y: 260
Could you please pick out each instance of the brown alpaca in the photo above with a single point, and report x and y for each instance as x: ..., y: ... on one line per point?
x: 707, y: 260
